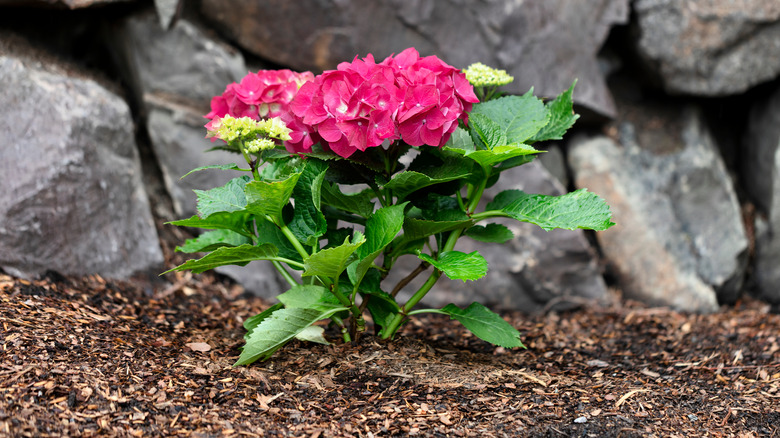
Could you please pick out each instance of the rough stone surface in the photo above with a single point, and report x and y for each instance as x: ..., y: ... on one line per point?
x: 72, y: 197
x: 258, y: 278
x: 560, y: 37
x: 761, y: 171
x: 70, y: 4
x: 535, y: 271
x: 175, y: 73
x: 166, y: 11
x: 178, y: 142
x: 679, y: 239
x: 182, y: 62
x: 710, y: 47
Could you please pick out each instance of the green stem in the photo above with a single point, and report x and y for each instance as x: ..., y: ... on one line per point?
x: 477, y: 194
x: 449, y: 245
x: 344, y: 331
x: 460, y: 200
x: 419, y: 311
x: 378, y: 193
x: 487, y: 215
x: 288, y: 261
x: 252, y: 163
x: 289, y: 278
x: 392, y: 327
x: 293, y: 240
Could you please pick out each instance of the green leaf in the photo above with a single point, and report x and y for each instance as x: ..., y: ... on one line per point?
x: 269, y: 233
x: 404, y: 183
x: 232, y: 166
x: 488, y: 131
x: 239, y: 255
x: 360, y: 203
x: 309, y: 296
x: 254, y: 321
x: 282, y: 169
x: 499, y: 154
x: 212, y: 240
x: 382, y: 307
x: 562, y: 116
x: 457, y: 265
x: 485, y: 324
x: 312, y: 333
x: 229, y: 197
x: 381, y: 229
x: 308, y: 222
x: 578, y: 209
x: 336, y: 236
x: 491, y: 233
x: 238, y: 221
x: 275, y: 154
x: 419, y: 228
x: 519, y: 117
x: 277, y: 330
x: 268, y: 198
x: 331, y: 262
x: 461, y: 140
x: 514, y: 162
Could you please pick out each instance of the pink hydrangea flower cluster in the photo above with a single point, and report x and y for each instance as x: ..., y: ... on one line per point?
x: 260, y: 95
x: 364, y: 104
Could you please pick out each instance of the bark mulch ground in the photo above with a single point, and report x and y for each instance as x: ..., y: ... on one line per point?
x: 88, y: 357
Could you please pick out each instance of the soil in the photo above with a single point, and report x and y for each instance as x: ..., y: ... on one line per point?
x: 90, y: 357
x: 154, y: 357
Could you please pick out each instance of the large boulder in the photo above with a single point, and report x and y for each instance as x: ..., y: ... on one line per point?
x: 679, y: 239
x: 761, y: 177
x: 543, y: 44
x: 183, y: 62
x: 710, y: 47
x: 174, y: 74
x: 70, y: 4
x: 72, y: 199
x: 537, y: 270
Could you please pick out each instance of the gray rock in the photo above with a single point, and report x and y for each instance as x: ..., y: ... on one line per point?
x: 167, y: 11
x: 679, y: 240
x: 179, y: 144
x: 560, y: 37
x: 554, y: 161
x: 175, y: 74
x: 258, y: 277
x: 70, y: 4
x: 712, y: 47
x: 537, y: 270
x: 72, y: 199
x: 182, y: 63
x: 761, y: 176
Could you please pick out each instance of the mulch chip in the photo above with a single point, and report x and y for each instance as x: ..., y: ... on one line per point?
x: 90, y: 357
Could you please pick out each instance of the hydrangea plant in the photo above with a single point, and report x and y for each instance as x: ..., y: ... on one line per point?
x: 328, y: 202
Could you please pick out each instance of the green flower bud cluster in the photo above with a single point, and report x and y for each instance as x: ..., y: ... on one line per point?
x: 259, y: 144
x: 274, y: 128
x: 247, y: 129
x: 480, y: 75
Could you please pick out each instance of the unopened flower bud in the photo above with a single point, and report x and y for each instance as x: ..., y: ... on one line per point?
x: 259, y: 144
x: 480, y: 75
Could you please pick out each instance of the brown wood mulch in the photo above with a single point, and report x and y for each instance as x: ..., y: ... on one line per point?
x: 89, y: 357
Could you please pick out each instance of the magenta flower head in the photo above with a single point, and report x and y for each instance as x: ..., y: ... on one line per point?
x: 365, y: 104
x: 265, y: 94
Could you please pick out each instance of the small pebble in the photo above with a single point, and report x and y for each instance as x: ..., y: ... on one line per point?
x: 692, y: 417
x: 580, y: 420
